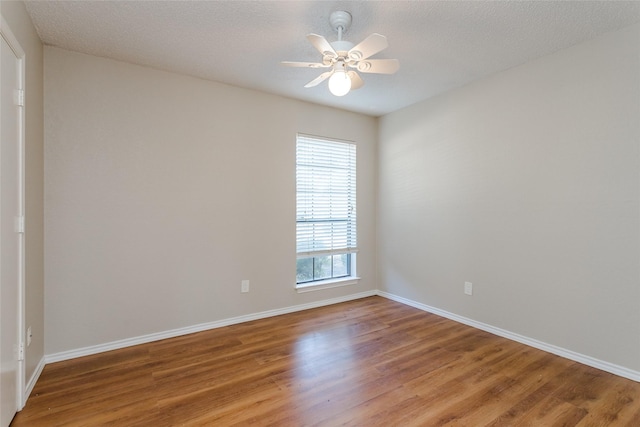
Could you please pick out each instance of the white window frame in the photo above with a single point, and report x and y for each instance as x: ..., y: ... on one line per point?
x: 307, y: 248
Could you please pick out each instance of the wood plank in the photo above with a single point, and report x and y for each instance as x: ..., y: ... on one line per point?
x: 371, y: 362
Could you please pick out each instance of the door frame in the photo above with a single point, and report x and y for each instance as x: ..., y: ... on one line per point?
x: 12, y: 41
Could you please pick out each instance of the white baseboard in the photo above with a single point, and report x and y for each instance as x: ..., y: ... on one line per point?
x: 559, y: 351
x: 114, y: 345
x: 34, y: 378
x: 128, y: 342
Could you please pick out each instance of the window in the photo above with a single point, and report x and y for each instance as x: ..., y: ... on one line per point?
x: 325, y: 210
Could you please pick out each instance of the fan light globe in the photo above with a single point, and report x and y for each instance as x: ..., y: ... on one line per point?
x: 339, y: 83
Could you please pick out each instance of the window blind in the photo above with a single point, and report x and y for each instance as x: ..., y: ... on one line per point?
x: 325, y: 196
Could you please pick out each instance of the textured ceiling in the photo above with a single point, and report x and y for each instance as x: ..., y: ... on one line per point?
x: 440, y: 44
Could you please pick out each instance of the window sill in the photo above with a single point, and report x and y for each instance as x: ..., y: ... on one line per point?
x: 326, y: 284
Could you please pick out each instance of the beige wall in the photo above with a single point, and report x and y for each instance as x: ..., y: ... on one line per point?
x: 164, y: 191
x: 16, y: 17
x: 527, y: 185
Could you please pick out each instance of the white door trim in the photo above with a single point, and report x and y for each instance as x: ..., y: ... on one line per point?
x: 12, y: 41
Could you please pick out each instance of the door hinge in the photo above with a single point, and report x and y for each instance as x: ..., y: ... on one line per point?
x: 20, y: 351
x: 19, y: 97
x: 20, y: 224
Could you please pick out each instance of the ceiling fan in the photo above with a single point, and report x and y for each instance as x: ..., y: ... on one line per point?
x: 342, y: 55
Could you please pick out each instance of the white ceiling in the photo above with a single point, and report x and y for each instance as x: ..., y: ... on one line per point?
x: 440, y: 44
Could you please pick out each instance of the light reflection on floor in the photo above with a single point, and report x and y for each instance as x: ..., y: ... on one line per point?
x: 320, y: 361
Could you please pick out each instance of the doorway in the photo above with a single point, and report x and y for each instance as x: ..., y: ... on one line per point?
x: 11, y: 225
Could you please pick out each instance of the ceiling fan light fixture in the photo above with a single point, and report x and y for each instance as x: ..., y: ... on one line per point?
x: 341, y: 54
x: 340, y: 82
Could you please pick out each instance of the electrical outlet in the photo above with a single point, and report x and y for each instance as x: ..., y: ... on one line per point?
x: 29, y: 336
x: 468, y: 288
x: 244, y: 286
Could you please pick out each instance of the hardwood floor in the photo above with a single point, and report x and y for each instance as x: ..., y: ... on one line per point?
x: 370, y: 362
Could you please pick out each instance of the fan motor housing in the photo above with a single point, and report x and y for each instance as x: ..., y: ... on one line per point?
x: 342, y: 47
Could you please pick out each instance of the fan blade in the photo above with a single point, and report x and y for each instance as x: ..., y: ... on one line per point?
x: 322, y: 45
x: 322, y: 77
x: 379, y: 66
x: 368, y: 47
x: 304, y: 64
x: 356, y: 81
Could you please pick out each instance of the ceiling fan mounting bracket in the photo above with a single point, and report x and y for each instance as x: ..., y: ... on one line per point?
x: 340, y: 19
